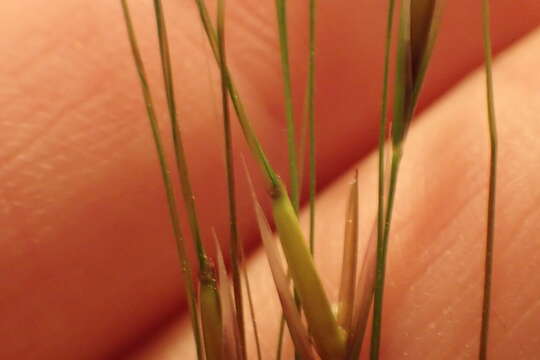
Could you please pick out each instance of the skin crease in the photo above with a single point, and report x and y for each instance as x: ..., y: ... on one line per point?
x: 87, y: 260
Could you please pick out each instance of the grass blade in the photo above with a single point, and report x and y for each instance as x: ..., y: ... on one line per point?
x: 231, y: 188
x: 350, y: 260
x: 488, y: 267
x: 171, y: 199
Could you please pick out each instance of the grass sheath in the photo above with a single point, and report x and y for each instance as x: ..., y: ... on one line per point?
x: 490, y: 234
x: 231, y: 187
x: 328, y: 336
x: 418, y: 28
x: 165, y: 174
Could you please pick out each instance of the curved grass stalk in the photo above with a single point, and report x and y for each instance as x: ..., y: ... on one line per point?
x: 488, y: 267
x: 165, y: 174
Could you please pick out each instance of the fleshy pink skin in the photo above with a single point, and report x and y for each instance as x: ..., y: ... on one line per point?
x: 88, y: 268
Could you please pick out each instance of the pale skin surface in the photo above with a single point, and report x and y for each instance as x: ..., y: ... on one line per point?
x: 87, y: 260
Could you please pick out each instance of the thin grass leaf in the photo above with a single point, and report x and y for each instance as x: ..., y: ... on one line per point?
x: 297, y: 330
x: 490, y: 226
x: 350, y: 260
x: 231, y: 334
x: 165, y: 174
x: 231, y: 188
x: 212, y: 324
x: 419, y: 18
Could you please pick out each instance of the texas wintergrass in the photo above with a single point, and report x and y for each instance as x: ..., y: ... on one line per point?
x: 217, y: 315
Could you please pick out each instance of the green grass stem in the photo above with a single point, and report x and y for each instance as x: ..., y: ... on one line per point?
x: 311, y: 121
x: 231, y: 187
x: 179, y: 151
x: 381, y: 159
x: 245, y: 123
x: 281, y: 10
x: 488, y: 266
x: 165, y: 174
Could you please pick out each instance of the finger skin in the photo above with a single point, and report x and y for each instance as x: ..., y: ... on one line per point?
x: 433, y: 292
x: 87, y: 257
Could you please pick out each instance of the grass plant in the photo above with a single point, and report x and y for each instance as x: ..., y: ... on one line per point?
x: 317, y: 332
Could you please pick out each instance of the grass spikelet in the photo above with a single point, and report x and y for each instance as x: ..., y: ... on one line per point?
x: 418, y: 19
x: 297, y: 330
x: 328, y: 336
